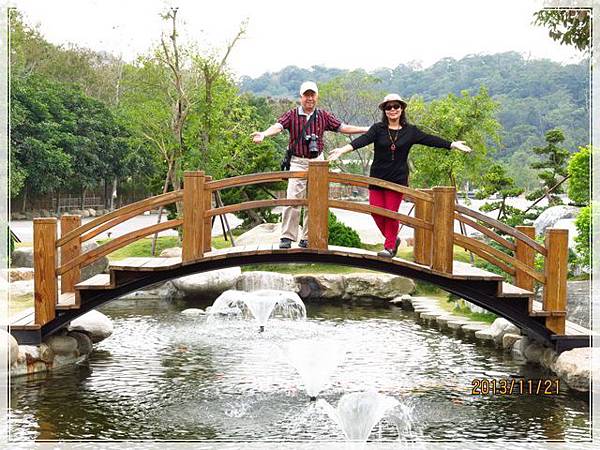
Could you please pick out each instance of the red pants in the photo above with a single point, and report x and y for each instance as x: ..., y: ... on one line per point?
x: 389, y: 200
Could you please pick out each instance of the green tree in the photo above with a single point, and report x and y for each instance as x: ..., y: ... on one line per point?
x: 554, y: 167
x: 465, y: 118
x: 583, y: 242
x: 567, y: 26
x: 580, y: 176
x: 497, y: 182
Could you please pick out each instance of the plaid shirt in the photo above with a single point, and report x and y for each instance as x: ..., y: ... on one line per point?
x: 295, y: 119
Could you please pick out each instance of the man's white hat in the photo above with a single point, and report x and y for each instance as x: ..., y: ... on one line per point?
x: 309, y: 86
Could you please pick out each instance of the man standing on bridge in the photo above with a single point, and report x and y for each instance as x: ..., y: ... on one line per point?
x: 306, y: 125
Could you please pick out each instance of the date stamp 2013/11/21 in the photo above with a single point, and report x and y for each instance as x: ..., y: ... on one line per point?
x: 515, y: 386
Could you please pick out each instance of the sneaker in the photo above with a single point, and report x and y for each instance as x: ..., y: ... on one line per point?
x: 303, y: 243
x: 285, y: 243
x: 398, y: 241
x: 386, y: 253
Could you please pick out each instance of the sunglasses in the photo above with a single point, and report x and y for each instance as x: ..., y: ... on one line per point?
x: 389, y: 107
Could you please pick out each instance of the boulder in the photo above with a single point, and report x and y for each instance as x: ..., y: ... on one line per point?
x: 84, y: 213
x: 500, y: 327
x: 22, y: 257
x: 95, y: 324
x: 326, y: 286
x: 63, y: 345
x: 253, y: 281
x: 98, y: 266
x: 84, y: 343
x: 172, y: 252
x: 376, y: 285
x: 534, y: 351
x: 92, y: 212
x: 208, y: 284
x: 509, y: 339
x: 9, y: 349
x: 552, y: 215
x: 574, y: 367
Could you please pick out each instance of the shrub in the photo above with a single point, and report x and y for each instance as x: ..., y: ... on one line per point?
x: 342, y: 235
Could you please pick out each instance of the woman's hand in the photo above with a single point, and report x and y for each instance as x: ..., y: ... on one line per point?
x: 460, y: 145
x: 335, y: 154
x: 257, y: 137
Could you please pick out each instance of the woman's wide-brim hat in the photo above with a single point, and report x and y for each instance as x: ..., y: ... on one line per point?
x: 392, y: 98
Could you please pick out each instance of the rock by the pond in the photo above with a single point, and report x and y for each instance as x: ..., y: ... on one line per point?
x: 575, y: 367
x: 500, y: 327
x: 163, y: 290
x: 22, y: 257
x: 207, y: 284
x: 9, y: 348
x: 509, y: 339
x: 84, y: 343
x: 552, y: 215
x: 63, y: 345
x: 258, y: 280
x: 353, y: 286
x: 172, y: 252
x: 193, y: 312
x: 95, y: 324
x: 19, y: 274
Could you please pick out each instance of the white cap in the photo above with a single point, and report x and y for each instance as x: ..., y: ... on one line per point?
x: 309, y: 86
x: 392, y: 98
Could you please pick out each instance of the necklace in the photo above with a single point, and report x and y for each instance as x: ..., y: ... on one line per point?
x: 393, y: 140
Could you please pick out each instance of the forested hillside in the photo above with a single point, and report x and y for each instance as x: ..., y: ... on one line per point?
x: 534, y: 95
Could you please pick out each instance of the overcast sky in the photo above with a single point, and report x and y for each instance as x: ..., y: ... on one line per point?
x: 334, y: 33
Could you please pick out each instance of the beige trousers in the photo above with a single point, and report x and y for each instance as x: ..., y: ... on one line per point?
x: 296, y: 189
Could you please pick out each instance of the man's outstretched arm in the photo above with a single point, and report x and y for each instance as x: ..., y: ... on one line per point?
x: 352, y: 129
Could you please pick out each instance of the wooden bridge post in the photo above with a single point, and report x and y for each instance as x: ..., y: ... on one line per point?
x: 422, y: 237
x: 193, y: 216
x: 68, y: 252
x: 45, y: 281
x: 526, y: 255
x: 207, y: 239
x: 318, y: 204
x: 556, y: 270
x: 443, y: 229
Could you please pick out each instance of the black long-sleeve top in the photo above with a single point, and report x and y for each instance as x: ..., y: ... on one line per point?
x: 393, y: 165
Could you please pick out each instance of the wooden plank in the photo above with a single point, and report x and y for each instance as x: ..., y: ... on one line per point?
x: 99, y: 281
x: 369, y: 209
x: 465, y: 271
x: 318, y: 207
x: 364, y: 181
x: 480, y: 248
x: 423, y: 237
x: 70, y: 251
x: 442, y: 255
x: 255, y: 204
x: 509, y: 290
x: 109, y: 247
x: 208, y: 198
x: 120, y: 215
x: 131, y: 263
x: 160, y: 263
x: 45, y: 283
x: 66, y: 300
x: 255, y: 178
x: 27, y: 316
x: 526, y: 255
x: 486, y: 231
x: 193, y: 216
x: 556, y: 271
x: 502, y: 227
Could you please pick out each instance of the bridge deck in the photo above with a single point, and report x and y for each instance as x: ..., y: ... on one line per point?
x: 461, y: 271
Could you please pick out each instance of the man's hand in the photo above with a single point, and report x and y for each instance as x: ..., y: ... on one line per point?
x: 335, y: 154
x: 460, y: 145
x: 257, y: 137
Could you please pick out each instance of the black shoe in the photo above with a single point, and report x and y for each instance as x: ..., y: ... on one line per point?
x: 386, y: 253
x: 398, y: 242
x: 285, y: 243
x: 303, y: 243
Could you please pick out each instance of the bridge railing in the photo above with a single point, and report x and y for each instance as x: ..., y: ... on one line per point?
x: 433, y: 224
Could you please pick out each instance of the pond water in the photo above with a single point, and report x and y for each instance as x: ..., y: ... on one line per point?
x: 167, y: 376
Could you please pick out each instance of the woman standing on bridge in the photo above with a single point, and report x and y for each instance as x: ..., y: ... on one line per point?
x: 392, y: 138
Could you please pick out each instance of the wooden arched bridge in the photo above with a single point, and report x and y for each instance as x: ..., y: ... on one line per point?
x: 434, y: 241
